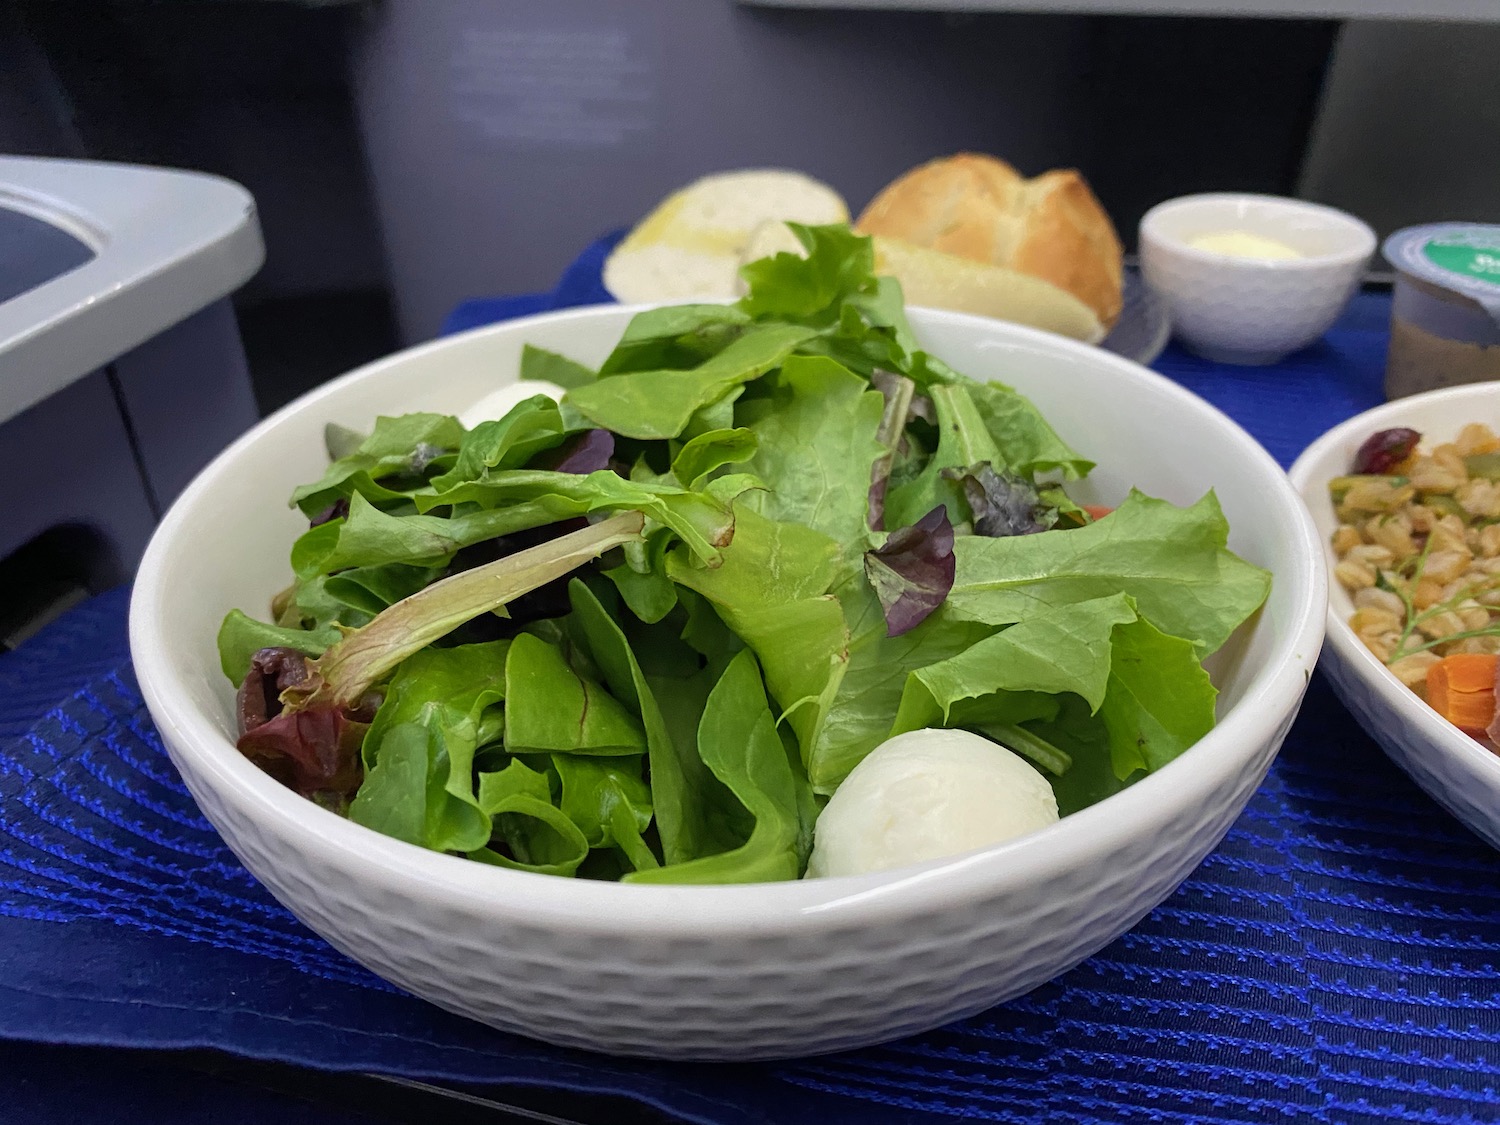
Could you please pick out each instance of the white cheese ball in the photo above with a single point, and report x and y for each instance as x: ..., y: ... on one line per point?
x: 498, y: 403
x: 925, y: 795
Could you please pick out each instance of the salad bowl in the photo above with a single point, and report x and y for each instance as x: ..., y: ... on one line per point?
x: 1454, y: 769
x: 758, y: 970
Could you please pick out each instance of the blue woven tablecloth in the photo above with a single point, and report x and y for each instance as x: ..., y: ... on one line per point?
x: 1336, y: 959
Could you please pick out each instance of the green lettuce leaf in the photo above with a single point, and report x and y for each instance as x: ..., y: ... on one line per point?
x: 440, y: 706
x: 610, y: 803
x: 528, y: 428
x: 642, y: 579
x: 1027, y: 443
x: 551, y: 708
x: 241, y: 637
x: 371, y: 537
x: 859, y: 702
x: 703, y: 522
x: 816, y: 443
x: 712, y: 450
x: 838, y: 264
x: 737, y: 740
x: 537, y: 834
x: 539, y: 363
x: 1160, y: 700
x: 688, y: 800
x: 1171, y: 560
x: 1064, y: 649
x: 660, y: 404
x: 963, y: 440
x: 405, y: 446
x: 675, y: 338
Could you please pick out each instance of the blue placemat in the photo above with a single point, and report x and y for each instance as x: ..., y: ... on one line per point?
x: 1335, y: 959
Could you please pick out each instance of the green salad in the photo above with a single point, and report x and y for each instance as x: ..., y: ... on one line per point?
x: 644, y: 632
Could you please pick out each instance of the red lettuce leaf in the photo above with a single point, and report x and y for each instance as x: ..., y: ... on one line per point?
x: 914, y: 571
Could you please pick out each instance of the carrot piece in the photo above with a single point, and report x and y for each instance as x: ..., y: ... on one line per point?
x: 1461, y: 688
x: 1097, y: 511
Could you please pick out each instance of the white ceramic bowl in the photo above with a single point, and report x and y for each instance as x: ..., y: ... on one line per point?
x: 1457, y: 772
x: 1252, y: 310
x: 737, y: 972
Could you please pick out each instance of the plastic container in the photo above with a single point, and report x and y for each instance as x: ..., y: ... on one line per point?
x: 1445, y: 318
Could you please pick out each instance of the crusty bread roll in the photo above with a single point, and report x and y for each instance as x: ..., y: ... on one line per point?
x: 692, y: 244
x: 946, y: 281
x: 981, y: 208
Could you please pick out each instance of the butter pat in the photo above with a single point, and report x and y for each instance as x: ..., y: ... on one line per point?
x: 928, y: 794
x: 1242, y: 244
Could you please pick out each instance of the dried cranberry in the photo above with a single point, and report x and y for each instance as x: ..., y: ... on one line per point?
x: 1383, y: 451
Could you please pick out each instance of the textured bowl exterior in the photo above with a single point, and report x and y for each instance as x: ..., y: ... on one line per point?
x: 1457, y: 772
x: 742, y: 972
x: 1242, y: 310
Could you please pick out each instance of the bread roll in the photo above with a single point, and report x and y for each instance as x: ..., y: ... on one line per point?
x: 692, y: 244
x: 980, y: 208
x: 946, y: 281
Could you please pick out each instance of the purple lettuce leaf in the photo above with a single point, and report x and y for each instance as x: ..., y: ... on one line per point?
x: 587, y: 453
x: 914, y: 571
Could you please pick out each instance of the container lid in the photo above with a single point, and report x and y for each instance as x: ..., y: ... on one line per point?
x: 1463, y: 258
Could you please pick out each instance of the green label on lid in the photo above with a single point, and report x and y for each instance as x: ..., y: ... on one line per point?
x: 1475, y: 261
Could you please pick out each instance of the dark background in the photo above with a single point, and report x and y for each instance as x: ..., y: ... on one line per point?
x: 262, y: 92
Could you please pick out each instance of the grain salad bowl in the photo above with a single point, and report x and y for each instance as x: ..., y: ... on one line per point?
x: 1455, y: 770
x: 730, y: 972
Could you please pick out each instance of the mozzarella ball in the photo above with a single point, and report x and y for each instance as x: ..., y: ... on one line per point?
x: 498, y: 403
x: 925, y: 795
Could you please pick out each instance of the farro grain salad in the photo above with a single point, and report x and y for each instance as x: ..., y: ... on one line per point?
x: 1418, y: 545
x: 645, y: 632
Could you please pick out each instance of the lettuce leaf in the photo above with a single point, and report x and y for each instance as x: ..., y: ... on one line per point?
x: 816, y: 442
x: 1172, y: 561
x: 661, y: 403
x: 737, y: 741
x: 406, y: 446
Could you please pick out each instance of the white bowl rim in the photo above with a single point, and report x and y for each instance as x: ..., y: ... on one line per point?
x: 1407, y: 704
x: 1149, y: 229
x: 827, y: 904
